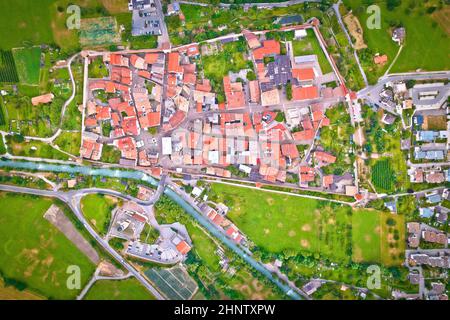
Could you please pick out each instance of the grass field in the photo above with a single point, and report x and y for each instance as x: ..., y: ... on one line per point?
x: 97, y: 210
x: 374, y: 240
x: 33, y: 251
x: 28, y: 64
x: 69, y: 142
x: 34, y: 149
x: 278, y: 222
x: 383, y: 176
x: 417, y: 52
x: 310, y: 45
x: 129, y: 289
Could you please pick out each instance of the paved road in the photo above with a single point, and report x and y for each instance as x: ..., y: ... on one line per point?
x: 163, y: 39
x: 72, y: 199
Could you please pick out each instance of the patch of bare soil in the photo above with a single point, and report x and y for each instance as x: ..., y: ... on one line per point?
x: 56, y: 217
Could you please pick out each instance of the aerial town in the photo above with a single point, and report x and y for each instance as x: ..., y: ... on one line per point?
x: 226, y: 151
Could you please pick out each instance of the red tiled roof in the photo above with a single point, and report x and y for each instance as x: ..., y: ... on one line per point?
x: 327, y: 180
x: 235, y: 97
x: 177, y: 118
x: 174, y: 63
x: 183, y: 247
x: 289, y: 150
x: 270, y: 47
x: 255, y: 94
x: 380, y: 59
x: 144, y: 74
x: 304, y: 135
x: 324, y: 157
x: 204, y: 86
x: 130, y: 125
x: 151, y: 58
x: 305, y: 93
x: 189, y: 78
x: 303, y: 74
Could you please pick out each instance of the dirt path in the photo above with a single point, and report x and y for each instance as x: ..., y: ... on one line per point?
x: 56, y: 217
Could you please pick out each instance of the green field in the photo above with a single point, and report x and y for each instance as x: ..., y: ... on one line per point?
x: 310, y: 45
x: 374, y: 240
x: 33, y: 252
x: 28, y: 64
x: 278, y: 223
x: 383, y: 176
x: 97, y: 210
x: 129, y: 289
x: 427, y: 43
x: 69, y: 142
x: 33, y: 148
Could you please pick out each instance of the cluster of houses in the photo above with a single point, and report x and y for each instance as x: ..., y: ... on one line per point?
x: 218, y: 218
x: 418, y: 232
x: 128, y: 101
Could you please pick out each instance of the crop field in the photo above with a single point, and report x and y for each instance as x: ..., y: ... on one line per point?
x: 8, y: 71
x: 129, y: 289
x: 97, y: 210
x: 175, y: 283
x: 33, y: 253
x: 28, y: 64
x: 99, y: 31
x: 383, y: 176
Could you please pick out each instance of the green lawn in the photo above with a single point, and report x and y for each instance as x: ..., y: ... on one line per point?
x: 427, y: 44
x: 278, y: 223
x: 34, y: 149
x: 28, y: 64
x: 374, y: 240
x: 33, y: 251
x: 69, y: 142
x: 129, y: 289
x: 310, y: 45
x: 97, y: 210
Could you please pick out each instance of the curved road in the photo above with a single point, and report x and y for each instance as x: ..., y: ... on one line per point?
x: 72, y: 199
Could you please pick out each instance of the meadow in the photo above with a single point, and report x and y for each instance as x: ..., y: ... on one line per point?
x: 33, y: 148
x: 33, y: 252
x: 69, y: 142
x: 97, y: 209
x: 129, y: 289
x: 28, y: 64
x: 427, y: 41
x: 278, y: 223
